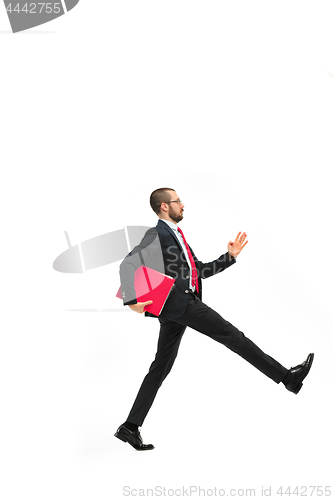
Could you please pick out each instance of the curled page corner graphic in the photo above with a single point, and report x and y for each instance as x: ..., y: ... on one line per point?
x: 70, y: 4
x: 24, y: 15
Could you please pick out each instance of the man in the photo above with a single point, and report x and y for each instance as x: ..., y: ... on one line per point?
x: 165, y: 249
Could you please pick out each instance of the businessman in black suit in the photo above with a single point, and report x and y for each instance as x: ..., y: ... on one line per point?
x: 165, y: 249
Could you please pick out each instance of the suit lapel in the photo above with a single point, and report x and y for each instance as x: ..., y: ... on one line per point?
x: 168, y: 228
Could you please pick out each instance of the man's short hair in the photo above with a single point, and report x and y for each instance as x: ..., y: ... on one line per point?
x: 159, y: 196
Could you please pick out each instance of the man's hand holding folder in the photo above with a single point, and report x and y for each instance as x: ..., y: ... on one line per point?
x: 140, y: 306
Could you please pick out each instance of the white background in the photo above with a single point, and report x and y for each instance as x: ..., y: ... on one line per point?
x: 229, y: 103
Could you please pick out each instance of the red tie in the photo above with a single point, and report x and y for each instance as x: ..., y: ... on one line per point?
x: 194, y: 269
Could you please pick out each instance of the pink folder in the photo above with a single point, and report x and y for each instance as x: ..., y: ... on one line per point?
x: 151, y: 285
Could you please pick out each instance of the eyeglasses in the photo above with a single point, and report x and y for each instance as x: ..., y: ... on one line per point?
x: 173, y: 201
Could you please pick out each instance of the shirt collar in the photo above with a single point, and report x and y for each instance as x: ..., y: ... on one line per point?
x: 170, y: 224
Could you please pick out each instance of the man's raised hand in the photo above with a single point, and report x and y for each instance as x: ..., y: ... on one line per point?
x: 140, y: 306
x: 235, y: 247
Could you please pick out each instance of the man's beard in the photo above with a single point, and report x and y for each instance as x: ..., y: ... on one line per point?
x: 174, y: 217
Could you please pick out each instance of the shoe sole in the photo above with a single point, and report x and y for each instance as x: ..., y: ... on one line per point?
x: 311, y: 361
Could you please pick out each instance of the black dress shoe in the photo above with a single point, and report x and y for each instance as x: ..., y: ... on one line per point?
x: 133, y: 438
x: 295, y: 376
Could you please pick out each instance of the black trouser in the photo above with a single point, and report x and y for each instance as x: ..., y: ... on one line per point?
x: 202, y: 318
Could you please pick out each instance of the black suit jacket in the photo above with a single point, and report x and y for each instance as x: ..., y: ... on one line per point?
x: 161, y: 250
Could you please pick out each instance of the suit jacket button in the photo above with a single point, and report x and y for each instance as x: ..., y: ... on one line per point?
x: 186, y: 291
x: 187, y: 277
